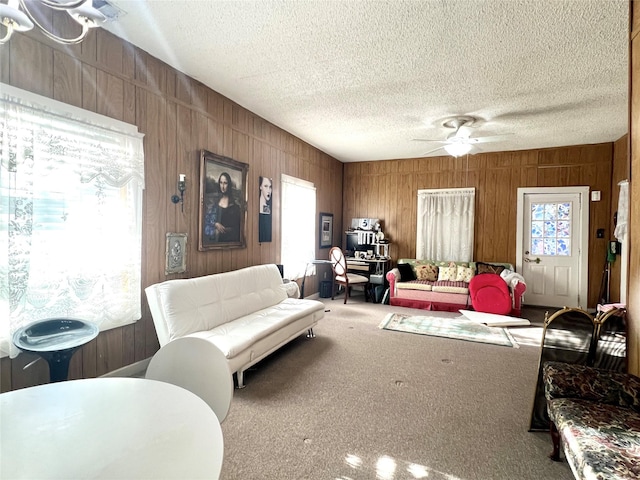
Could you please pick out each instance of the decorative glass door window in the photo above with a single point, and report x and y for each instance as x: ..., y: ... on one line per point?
x: 551, y: 229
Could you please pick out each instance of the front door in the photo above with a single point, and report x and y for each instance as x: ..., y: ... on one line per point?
x: 553, y: 245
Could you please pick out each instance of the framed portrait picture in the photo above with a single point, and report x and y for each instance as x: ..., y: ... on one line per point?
x: 265, y: 207
x: 223, y: 202
x: 326, y: 230
x: 176, y: 253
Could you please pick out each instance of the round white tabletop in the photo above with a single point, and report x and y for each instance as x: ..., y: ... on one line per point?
x: 109, y: 428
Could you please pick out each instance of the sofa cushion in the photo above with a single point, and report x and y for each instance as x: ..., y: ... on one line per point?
x: 424, y: 285
x: 488, y: 268
x: 238, y: 335
x: 601, y: 440
x: 449, y: 273
x: 465, y: 274
x: 202, y: 303
x: 427, y: 272
x: 406, y: 272
x: 588, y: 383
x: 451, y: 287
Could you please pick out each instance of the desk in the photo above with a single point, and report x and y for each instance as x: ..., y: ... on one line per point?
x: 108, y: 428
x: 374, y: 266
x: 375, y: 269
x: 312, y: 262
x: 55, y: 340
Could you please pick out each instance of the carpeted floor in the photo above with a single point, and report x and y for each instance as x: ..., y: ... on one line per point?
x: 358, y: 402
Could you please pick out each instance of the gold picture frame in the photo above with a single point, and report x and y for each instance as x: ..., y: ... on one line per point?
x: 223, y: 202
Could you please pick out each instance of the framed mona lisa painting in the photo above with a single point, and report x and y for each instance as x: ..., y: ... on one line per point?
x: 223, y: 202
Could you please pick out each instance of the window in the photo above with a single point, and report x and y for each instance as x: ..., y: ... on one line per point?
x: 551, y: 229
x: 445, y: 224
x: 70, y: 215
x: 298, y: 226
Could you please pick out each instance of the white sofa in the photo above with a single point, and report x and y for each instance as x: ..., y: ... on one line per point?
x: 246, y: 313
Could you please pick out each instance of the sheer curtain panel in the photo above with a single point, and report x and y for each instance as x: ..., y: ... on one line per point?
x: 445, y: 224
x: 71, y: 185
x: 298, y: 226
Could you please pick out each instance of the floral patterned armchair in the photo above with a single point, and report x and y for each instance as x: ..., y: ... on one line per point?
x: 596, y: 414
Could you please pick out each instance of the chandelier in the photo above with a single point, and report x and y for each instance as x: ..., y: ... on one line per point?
x: 18, y: 16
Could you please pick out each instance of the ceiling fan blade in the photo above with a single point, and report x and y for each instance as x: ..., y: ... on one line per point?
x: 427, y: 140
x: 431, y: 151
x: 491, y: 138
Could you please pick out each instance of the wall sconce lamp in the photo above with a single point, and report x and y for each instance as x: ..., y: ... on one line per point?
x: 182, y: 186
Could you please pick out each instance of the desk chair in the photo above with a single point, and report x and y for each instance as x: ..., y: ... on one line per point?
x: 195, y: 364
x: 344, y: 278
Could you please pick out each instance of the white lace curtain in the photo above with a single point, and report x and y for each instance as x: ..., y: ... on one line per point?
x: 298, y: 226
x: 445, y: 224
x: 71, y: 187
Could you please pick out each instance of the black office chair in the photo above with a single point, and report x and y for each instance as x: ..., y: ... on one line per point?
x: 344, y: 278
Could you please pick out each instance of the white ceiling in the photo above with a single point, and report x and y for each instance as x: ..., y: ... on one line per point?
x: 361, y: 79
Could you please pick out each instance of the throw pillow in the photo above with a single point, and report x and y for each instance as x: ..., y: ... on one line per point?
x: 427, y: 272
x: 464, y: 274
x: 406, y: 272
x: 448, y: 273
x: 488, y: 268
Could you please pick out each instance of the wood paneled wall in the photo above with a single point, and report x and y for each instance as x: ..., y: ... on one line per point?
x: 633, y: 294
x: 179, y: 116
x: 388, y: 190
x: 620, y: 172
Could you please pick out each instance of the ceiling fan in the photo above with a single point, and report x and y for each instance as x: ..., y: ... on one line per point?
x: 459, y: 142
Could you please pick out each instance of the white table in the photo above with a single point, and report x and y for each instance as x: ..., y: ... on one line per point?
x: 108, y: 428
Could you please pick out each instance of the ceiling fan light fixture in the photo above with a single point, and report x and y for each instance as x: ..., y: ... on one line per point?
x: 13, y: 19
x: 16, y: 16
x: 457, y: 149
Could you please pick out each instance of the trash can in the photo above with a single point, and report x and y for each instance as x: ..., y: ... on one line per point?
x: 325, y: 289
x: 378, y: 293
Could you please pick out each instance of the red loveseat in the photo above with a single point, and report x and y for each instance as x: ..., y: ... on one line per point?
x: 448, y: 293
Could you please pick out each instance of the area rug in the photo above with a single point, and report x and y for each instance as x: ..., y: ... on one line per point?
x: 456, y: 328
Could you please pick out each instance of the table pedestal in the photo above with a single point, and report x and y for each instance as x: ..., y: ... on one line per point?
x: 58, y: 363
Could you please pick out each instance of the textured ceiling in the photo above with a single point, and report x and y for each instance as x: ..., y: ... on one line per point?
x: 361, y: 79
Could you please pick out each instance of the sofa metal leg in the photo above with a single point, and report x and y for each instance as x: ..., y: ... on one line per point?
x: 240, y: 379
x: 310, y: 333
x: 555, y: 439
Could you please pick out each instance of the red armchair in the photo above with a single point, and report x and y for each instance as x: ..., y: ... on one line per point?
x: 491, y: 294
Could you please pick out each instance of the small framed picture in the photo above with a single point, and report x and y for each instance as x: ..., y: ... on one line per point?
x: 325, y: 238
x: 176, y: 253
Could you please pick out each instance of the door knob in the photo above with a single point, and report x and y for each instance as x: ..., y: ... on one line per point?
x: 528, y: 260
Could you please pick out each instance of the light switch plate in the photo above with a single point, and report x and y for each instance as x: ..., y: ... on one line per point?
x: 595, y: 196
